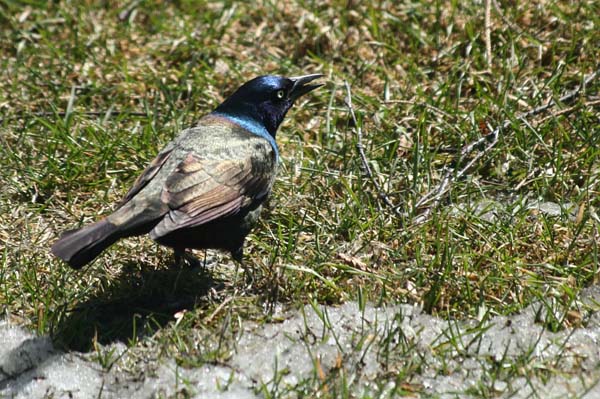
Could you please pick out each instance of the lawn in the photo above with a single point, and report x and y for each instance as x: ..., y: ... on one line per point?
x: 91, y: 91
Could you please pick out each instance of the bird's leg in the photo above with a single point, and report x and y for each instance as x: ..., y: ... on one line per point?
x: 205, y: 257
x: 238, y: 257
x: 184, y: 258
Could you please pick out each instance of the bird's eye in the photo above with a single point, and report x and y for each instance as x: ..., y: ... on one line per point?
x: 280, y: 94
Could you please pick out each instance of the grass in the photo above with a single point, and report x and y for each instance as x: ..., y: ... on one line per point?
x: 91, y: 91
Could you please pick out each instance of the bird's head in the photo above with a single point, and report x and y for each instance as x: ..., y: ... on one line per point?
x: 266, y: 99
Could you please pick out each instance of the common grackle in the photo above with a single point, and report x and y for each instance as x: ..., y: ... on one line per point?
x: 206, y: 187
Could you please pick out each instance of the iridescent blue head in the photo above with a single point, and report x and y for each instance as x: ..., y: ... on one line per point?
x: 260, y: 104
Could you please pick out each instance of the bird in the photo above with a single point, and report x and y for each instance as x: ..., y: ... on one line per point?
x: 205, y: 188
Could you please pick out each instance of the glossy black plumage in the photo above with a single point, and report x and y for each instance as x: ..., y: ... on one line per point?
x: 205, y: 188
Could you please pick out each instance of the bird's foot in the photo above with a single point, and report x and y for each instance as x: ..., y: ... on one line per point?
x: 185, y: 259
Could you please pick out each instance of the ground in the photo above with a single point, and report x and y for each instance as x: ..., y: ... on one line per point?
x: 407, y: 218
x: 348, y: 351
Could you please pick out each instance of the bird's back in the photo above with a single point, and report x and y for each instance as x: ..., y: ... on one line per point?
x: 218, y: 165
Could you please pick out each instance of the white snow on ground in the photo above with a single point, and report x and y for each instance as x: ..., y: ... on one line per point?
x: 456, y: 357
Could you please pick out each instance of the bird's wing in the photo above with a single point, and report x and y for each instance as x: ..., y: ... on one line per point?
x: 200, y: 190
x: 148, y: 173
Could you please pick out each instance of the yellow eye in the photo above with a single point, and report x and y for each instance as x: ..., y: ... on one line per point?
x: 280, y: 94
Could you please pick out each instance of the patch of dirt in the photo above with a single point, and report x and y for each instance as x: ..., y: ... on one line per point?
x: 504, y: 356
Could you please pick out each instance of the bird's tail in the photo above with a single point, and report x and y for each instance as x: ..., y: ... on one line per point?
x: 80, y: 246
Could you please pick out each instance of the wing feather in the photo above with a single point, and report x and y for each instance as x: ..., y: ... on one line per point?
x: 200, y: 190
x: 148, y: 174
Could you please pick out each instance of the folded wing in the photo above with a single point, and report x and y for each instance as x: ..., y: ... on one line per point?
x: 200, y: 190
x: 148, y: 173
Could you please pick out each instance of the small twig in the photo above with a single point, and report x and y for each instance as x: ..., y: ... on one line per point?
x: 527, y: 178
x: 361, y: 151
x: 488, y: 33
x: 567, y: 111
x: 218, y: 309
x: 434, y: 197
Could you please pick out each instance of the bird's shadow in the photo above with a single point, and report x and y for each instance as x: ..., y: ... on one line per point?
x: 139, y: 302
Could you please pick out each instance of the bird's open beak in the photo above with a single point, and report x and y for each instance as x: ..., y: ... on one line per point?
x: 301, y: 87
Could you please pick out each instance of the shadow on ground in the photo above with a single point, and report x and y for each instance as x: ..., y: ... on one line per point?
x: 139, y: 302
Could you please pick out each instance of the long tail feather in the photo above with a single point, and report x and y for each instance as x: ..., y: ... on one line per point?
x: 81, y: 246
